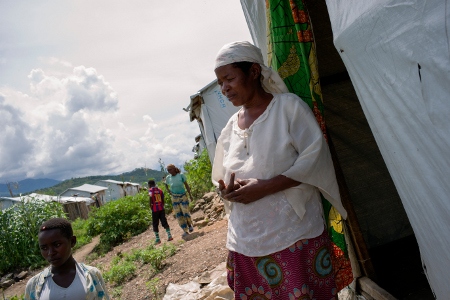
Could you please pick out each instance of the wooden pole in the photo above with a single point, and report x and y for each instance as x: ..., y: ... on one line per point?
x: 352, y: 221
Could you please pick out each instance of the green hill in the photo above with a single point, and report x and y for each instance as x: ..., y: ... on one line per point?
x: 139, y: 175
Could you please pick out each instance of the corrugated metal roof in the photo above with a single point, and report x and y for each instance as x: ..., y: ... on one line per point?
x: 48, y: 198
x: 119, y: 182
x: 111, y: 181
x: 89, y: 188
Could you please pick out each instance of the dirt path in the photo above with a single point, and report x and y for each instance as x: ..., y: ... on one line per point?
x: 200, y: 251
x: 81, y: 254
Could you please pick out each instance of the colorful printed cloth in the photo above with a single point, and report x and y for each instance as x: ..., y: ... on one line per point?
x: 180, y: 204
x: 292, y: 52
x: 301, y: 271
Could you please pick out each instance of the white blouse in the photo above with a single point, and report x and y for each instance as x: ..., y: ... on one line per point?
x: 76, y: 291
x: 285, y: 139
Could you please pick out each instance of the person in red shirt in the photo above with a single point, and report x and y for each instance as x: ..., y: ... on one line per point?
x: 156, y: 197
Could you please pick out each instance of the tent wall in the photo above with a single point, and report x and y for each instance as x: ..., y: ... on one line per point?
x: 378, y: 206
x: 397, y: 55
x: 370, y: 185
x: 215, y: 110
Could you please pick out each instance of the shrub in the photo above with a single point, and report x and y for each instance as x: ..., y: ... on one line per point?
x: 152, y: 255
x: 123, y: 266
x: 119, y: 220
x: 80, y: 228
x: 167, y: 198
x: 19, y: 233
x: 120, y: 273
x: 198, y: 174
x: 152, y: 285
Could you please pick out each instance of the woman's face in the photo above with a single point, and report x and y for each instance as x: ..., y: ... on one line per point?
x: 237, y: 86
x: 172, y: 171
x: 55, y: 247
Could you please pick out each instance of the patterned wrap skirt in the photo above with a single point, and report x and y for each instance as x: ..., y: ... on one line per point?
x: 301, y: 271
x: 180, y: 204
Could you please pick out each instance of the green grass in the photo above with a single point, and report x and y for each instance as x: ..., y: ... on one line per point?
x: 120, y: 273
x: 152, y: 285
x: 117, y: 221
x: 80, y: 228
x: 19, y: 227
x: 123, y: 267
x: 116, y: 292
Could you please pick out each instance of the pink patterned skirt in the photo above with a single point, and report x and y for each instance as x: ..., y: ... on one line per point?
x: 301, y: 271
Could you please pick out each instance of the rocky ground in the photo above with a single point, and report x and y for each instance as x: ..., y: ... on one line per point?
x: 201, y: 251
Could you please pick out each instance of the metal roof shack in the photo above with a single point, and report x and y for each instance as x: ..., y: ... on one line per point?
x: 75, y: 207
x: 118, y: 189
x: 95, y: 192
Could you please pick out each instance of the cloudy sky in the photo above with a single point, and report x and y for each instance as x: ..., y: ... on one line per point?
x: 98, y: 87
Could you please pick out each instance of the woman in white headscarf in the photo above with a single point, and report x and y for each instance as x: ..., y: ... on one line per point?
x: 271, y: 164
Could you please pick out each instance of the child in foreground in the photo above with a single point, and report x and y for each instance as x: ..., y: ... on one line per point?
x: 156, y: 201
x: 65, y: 278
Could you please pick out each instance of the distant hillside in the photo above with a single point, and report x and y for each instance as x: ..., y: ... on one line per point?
x: 27, y: 185
x: 139, y: 175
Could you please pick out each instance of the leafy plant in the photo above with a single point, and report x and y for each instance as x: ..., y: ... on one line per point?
x: 198, y: 174
x: 120, y: 272
x: 123, y: 266
x: 152, y: 285
x: 152, y: 255
x: 19, y: 226
x: 119, y: 220
x: 80, y: 228
x: 116, y: 292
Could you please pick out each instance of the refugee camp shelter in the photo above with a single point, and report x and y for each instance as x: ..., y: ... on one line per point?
x: 212, y: 110
x: 7, y: 202
x: 74, y: 207
x: 384, y: 71
x: 118, y: 189
x: 199, y: 146
x: 95, y: 192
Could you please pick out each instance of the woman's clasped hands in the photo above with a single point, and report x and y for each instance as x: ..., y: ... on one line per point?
x: 242, y: 190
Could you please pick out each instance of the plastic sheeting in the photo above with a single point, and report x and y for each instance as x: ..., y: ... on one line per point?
x: 397, y: 55
x: 216, y: 288
x: 212, y: 111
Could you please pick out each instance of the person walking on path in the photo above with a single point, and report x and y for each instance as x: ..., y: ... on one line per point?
x: 177, y: 186
x: 156, y: 201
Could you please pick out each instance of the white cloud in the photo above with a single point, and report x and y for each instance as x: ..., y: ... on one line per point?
x: 16, y: 147
x: 106, y: 82
x: 68, y: 132
x: 87, y: 90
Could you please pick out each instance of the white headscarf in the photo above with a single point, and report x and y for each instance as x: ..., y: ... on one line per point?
x: 244, y: 51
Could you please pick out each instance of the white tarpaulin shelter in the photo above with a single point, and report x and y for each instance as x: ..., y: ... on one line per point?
x: 397, y: 55
x: 212, y: 111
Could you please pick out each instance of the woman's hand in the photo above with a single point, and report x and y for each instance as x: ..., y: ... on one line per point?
x: 241, y: 190
x: 249, y: 190
x: 226, y: 189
